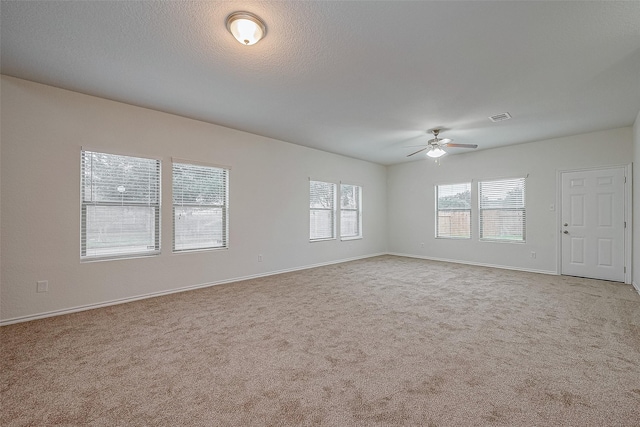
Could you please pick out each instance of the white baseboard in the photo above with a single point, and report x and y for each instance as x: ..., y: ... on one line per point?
x: 256, y: 276
x: 479, y: 264
x: 173, y: 291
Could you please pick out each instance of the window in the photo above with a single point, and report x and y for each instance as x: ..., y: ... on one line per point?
x: 200, y: 207
x: 322, y: 201
x: 453, y: 206
x: 502, y: 210
x: 350, y: 211
x: 120, y: 205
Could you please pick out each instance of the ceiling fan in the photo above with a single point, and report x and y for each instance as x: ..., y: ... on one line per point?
x: 436, y: 144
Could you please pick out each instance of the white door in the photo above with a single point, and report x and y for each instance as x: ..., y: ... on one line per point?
x: 593, y: 224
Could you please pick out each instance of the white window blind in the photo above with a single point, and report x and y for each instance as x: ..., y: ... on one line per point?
x: 120, y: 205
x: 200, y: 207
x: 350, y: 211
x: 453, y: 211
x: 322, y: 201
x: 502, y: 210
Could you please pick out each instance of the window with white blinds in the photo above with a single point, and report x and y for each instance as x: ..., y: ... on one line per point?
x: 453, y: 211
x: 322, y: 210
x: 502, y: 210
x: 200, y: 207
x: 120, y: 205
x: 350, y: 211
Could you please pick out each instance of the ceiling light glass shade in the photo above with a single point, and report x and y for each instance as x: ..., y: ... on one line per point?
x: 246, y: 27
x: 436, y: 152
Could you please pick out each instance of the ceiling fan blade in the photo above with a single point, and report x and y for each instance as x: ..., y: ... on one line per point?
x: 462, y: 145
x: 425, y: 148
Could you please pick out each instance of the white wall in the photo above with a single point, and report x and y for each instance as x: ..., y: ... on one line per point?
x: 636, y: 203
x: 411, y: 197
x: 43, y: 129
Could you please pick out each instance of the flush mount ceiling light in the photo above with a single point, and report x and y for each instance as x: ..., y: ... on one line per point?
x: 246, y: 27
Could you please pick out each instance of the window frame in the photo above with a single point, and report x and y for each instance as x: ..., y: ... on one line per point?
x: 224, y: 206
x: 482, y: 210
x: 84, y: 204
x: 331, y: 209
x: 357, y: 209
x: 438, y: 210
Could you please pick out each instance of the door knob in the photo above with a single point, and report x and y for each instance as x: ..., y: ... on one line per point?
x: 565, y: 224
x: 565, y: 232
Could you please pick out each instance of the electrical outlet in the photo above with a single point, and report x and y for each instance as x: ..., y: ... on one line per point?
x: 42, y: 286
x: 422, y: 245
x: 260, y: 258
x: 533, y: 255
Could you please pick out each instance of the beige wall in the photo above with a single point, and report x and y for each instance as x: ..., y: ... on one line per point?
x: 43, y: 129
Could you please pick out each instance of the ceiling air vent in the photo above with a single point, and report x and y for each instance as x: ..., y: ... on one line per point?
x: 500, y: 117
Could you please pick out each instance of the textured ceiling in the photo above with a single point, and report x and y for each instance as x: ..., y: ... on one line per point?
x: 362, y: 79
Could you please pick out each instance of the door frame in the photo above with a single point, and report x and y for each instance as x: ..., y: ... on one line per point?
x: 628, y: 215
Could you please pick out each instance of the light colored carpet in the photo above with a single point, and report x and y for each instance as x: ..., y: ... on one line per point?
x: 378, y: 342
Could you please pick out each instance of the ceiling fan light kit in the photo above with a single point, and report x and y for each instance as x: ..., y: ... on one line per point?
x: 435, y: 146
x: 436, y: 152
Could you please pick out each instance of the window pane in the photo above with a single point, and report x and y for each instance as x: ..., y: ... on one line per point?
x: 322, y: 199
x: 350, y: 210
x: 322, y: 194
x: 456, y: 224
x: 349, y: 196
x: 502, y: 209
x: 199, y: 185
x: 502, y: 194
x: 120, y: 179
x: 349, y: 226
x: 454, y: 196
x: 200, y: 196
x: 197, y: 227
x: 321, y: 224
x: 120, y: 205
x: 502, y: 224
x: 453, y: 211
x: 113, y: 230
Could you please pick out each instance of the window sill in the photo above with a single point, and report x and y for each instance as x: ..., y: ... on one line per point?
x: 322, y: 240
x: 502, y: 241
x: 452, y: 238
x: 345, y: 239
x: 90, y: 259
x: 190, y: 251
